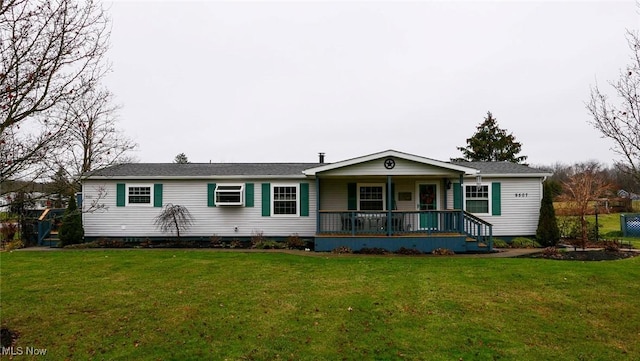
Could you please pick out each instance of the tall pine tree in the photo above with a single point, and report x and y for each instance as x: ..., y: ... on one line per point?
x: 491, y: 144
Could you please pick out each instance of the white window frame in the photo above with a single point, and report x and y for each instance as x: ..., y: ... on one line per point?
x: 384, y: 193
x: 128, y: 187
x: 488, y: 199
x: 273, y: 200
x: 219, y: 190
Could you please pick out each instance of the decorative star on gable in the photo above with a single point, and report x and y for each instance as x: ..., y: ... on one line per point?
x: 389, y: 163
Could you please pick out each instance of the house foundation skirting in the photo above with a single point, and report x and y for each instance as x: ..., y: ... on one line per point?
x: 456, y: 243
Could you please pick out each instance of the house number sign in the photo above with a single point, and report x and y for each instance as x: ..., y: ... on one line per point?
x: 522, y: 195
x: 389, y: 163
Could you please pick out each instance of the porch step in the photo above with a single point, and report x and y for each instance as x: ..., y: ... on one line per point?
x: 50, y: 242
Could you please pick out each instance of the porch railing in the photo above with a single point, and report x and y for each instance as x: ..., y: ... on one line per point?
x: 370, y: 223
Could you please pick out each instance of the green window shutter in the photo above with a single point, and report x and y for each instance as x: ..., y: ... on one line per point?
x: 121, y: 195
x: 457, y: 196
x: 304, y: 199
x: 352, y: 196
x: 157, y: 195
x: 211, y: 190
x: 266, y: 199
x: 496, y: 199
x: 248, y: 195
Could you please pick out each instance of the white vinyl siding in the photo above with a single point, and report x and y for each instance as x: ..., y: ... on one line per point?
x: 519, y: 215
x: 115, y: 221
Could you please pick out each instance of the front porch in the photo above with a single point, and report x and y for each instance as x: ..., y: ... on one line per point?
x: 456, y: 230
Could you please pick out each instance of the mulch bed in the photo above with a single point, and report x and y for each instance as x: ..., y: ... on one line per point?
x: 588, y: 255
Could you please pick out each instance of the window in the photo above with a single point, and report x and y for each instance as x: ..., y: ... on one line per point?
x: 139, y: 195
x: 371, y: 197
x: 477, y: 198
x: 285, y: 200
x: 229, y: 194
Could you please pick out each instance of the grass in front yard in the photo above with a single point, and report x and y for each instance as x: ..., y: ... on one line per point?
x: 186, y: 304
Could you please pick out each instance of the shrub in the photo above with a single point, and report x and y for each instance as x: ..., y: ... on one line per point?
x: 294, y: 242
x: 71, y: 231
x: 374, y: 250
x: 522, y: 242
x: 500, y: 243
x: 548, y: 232
x: 442, y: 252
x: 268, y: 245
x: 551, y: 252
x: 14, y: 244
x: 8, y: 230
x: 111, y: 243
x: 342, y: 250
x: 235, y: 243
x: 256, y: 238
x: 408, y: 251
x: 215, y: 241
x: 610, y: 246
x: 93, y: 244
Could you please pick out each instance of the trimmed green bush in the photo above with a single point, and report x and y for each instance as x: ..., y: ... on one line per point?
x: 500, y: 243
x: 522, y: 242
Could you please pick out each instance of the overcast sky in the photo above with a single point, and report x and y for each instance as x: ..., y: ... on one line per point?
x: 282, y: 81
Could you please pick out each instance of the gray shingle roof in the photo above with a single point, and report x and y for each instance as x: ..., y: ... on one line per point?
x: 203, y: 169
x: 501, y: 168
x: 157, y: 170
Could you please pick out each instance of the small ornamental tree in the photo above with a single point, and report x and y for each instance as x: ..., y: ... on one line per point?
x: 71, y: 231
x: 586, y: 183
x: 548, y: 233
x: 174, y: 217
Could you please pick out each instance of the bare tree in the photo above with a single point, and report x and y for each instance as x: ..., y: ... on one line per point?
x: 619, y: 119
x: 92, y: 140
x: 174, y: 217
x: 50, y: 53
x: 586, y: 183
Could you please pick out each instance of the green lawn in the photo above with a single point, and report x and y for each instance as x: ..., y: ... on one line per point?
x: 192, y: 304
x: 610, y: 225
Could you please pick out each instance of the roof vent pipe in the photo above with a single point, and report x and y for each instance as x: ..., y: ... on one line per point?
x: 321, y: 158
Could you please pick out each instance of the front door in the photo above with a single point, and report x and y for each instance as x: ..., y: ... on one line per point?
x: 428, y: 201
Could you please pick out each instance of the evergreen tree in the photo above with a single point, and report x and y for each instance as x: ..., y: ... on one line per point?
x: 181, y: 159
x: 71, y: 231
x: 491, y: 144
x: 548, y: 233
